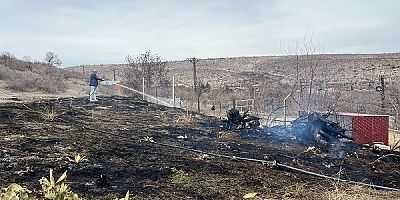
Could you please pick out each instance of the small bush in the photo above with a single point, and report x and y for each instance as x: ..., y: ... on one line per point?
x: 4, y: 74
x: 51, y: 190
x: 24, y: 85
x: 28, y: 81
x: 19, y: 81
x: 15, y: 191
x: 73, y: 75
x: 56, y: 189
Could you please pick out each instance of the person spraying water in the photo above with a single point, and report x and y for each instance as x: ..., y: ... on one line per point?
x: 93, y: 83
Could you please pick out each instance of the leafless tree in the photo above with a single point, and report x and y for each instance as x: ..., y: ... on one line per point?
x: 306, y: 64
x: 52, y: 59
x: 8, y: 59
x: 146, y: 65
x: 28, y: 63
x: 201, y: 89
x: 394, y: 98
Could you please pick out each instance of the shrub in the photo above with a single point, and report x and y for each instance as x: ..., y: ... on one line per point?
x: 28, y: 81
x: 51, y: 190
x: 19, y: 81
x: 3, y: 73
x: 51, y: 84
x: 15, y: 191
x: 56, y: 189
x: 27, y: 75
x: 23, y: 85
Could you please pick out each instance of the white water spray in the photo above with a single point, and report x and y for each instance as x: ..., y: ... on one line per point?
x: 137, y: 91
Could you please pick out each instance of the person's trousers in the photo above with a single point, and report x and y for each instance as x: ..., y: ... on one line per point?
x: 92, y: 94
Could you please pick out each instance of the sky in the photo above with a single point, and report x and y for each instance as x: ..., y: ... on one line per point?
x: 106, y: 31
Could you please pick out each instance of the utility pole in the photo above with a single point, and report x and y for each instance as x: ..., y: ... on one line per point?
x: 194, y: 60
x: 114, y: 74
x: 382, y: 91
x: 195, y: 86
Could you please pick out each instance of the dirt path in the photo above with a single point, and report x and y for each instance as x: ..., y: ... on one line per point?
x: 47, y: 134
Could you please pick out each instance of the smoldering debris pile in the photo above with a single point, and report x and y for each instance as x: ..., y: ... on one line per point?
x: 237, y: 121
x: 318, y: 127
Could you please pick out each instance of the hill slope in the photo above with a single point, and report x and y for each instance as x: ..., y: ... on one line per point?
x: 335, y: 70
x: 20, y: 80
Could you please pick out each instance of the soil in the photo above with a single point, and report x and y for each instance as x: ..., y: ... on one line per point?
x: 112, y: 136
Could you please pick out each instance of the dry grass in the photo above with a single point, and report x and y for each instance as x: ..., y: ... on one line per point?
x: 347, y: 192
x: 49, y: 114
x: 185, y: 118
x: 228, y: 137
x: 337, y: 192
x: 39, y: 77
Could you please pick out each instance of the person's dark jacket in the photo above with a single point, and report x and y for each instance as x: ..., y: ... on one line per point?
x: 94, y: 80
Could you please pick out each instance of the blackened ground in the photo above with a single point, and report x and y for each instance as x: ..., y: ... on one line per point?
x: 48, y: 134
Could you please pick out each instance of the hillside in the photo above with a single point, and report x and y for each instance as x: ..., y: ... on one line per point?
x: 335, y: 70
x: 21, y: 80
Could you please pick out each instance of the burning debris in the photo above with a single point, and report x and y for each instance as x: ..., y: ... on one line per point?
x: 319, y: 128
x: 238, y: 121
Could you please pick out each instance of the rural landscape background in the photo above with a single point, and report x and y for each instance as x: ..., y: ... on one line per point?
x: 174, y: 74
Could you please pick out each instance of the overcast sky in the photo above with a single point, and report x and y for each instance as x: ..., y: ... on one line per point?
x: 100, y: 31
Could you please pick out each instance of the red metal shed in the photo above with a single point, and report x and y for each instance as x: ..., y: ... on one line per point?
x: 365, y: 128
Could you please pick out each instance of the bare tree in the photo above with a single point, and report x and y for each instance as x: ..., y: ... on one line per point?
x: 8, y: 59
x: 52, y: 59
x: 28, y: 62
x: 200, y: 89
x: 394, y: 97
x: 306, y: 64
x: 146, y: 65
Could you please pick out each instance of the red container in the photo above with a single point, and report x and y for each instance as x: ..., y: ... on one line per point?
x: 367, y: 129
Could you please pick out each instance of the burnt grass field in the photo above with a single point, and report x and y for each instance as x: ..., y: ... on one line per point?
x: 113, y: 136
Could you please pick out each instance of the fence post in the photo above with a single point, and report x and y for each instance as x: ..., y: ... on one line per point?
x: 143, y: 88
x: 285, y: 107
x: 173, y: 90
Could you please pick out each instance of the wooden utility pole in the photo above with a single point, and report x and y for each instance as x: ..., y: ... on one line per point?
x: 114, y: 74
x: 382, y: 90
x: 195, y: 84
x: 194, y: 60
